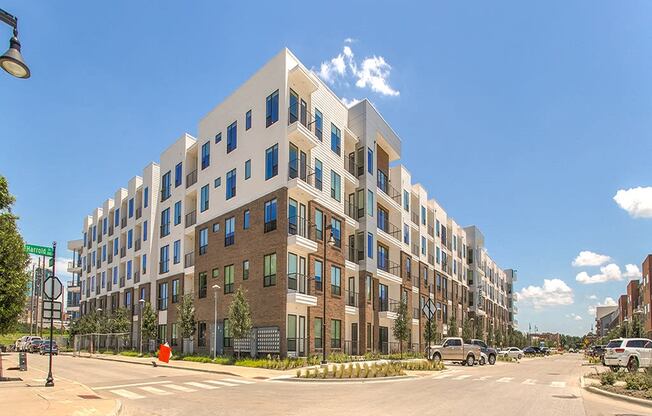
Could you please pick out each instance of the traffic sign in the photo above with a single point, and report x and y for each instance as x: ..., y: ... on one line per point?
x: 51, y: 314
x: 52, y: 305
x: 52, y: 288
x: 51, y: 262
x: 39, y: 250
x: 429, y: 309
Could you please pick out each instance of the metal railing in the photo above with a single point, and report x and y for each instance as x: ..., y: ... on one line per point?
x: 191, y: 178
x: 302, y: 170
x: 388, y: 305
x: 354, y: 254
x: 351, y: 347
x: 162, y: 304
x: 300, y: 226
x: 269, y: 226
x: 137, y: 276
x: 392, y: 347
x: 353, y: 211
x: 137, y: 245
x: 165, y: 229
x: 415, y: 217
x: 351, y: 298
x: 122, y: 281
x: 110, y: 230
x: 352, y: 167
x: 139, y: 212
x: 299, y: 114
x: 383, y: 184
x: 389, y: 228
x: 166, y: 193
x: 123, y: 222
x: 191, y: 218
x: 189, y: 259
x: 109, y: 258
x: 298, y: 283
x: 431, y: 230
x: 229, y: 239
x: 123, y: 251
x: 163, y: 266
x: 389, y: 266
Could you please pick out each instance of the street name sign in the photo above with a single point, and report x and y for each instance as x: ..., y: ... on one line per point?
x: 39, y: 250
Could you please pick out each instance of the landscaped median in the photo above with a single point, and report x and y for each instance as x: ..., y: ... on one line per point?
x: 366, y: 370
x: 634, y: 387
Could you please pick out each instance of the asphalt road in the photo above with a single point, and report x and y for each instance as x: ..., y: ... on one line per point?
x: 538, y: 386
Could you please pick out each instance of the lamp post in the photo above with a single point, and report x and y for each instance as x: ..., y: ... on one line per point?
x: 141, y: 302
x: 330, y: 242
x: 215, y: 289
x: 97, y: 328
x: 12, y: 60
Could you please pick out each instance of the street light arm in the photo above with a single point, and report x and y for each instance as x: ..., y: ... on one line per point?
x: 9, y: 19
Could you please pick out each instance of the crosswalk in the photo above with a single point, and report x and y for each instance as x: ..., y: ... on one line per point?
x: 138, y: 391
x: 452, y: 376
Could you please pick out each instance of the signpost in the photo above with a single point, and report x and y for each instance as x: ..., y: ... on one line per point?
x: 429, y: 310
x: 39, y: 250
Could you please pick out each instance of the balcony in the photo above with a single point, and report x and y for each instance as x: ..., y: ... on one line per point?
x: 109, y: 257
x: 355, y: 169
x: 74, y: 267
x: 389, y: 229
x: 301, y: 127
x: 351, y: 298
x: 123, y: 251
x: 299, y: 290
x: 139, y: 212
x: 388, y: 308
x: 110, y: 230
x: 301, y: 235
x: 189, y: 259
x: 353, y: 211
x: 191, y: 178
x: 389, y: 270
x: 122, y: 281
x: 191, y: 218
x: 137, y: 245
x: 301, y: 180
x: 388, y: 190
x: 123, y: 222
x: 137, y: 276
x: 414, y: 217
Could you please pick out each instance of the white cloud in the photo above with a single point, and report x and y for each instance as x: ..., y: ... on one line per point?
x: 553, y: 292
x: 574, y: 316
x: 589, y: 258
x: 636, y: 201
x: 610, y: 272
x: 632, y: 271
x: 372, y: 72
x: 593, y: 297
x: 608, y: 301
x: 350, y: 103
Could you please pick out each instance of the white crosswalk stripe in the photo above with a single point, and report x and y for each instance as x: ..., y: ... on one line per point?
x: 529, y: 381
x: 462, y: 377
x: 179, y: 388
x: 201, y: 385
x: 483, y: 378
x: 558, y: 384
x: 237, y: 380
x: 155, y: 390
x: 220, y: 383
x: 505, y: 380
x: 127, y: 394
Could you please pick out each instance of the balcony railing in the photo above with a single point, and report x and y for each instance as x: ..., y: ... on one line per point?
x: 354, y: 254
x: 298, y: 283
x: 122, y: 281
x: 269, y: 226
x: 353, y: 211
x: 415, y: 249
x: 191, y: 178
x: 300, y: 226
x: 383, y: 184
x: 191, y: 218
x: 415, y: 218
x: 139, y: 212
x: 137, y: 244
x: 110, y: 230
x: 137, y: 276
x: 388, y: 305
x: 123, y: 251
x: 352, y: 167
x: 389, y: 228
x: 351, y: 348
x: 123, y: 222
x: 389, y: 266
x: 166, y: 193
x: 302, y: 170
x: 351, y: 298
x: 162, y: 304
x: 163, y: 266
x: 99, y: 238
x: 300, y: 114
x: 189, y: 259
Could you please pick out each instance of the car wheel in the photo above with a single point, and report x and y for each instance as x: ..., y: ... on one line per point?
x: 614, y: 368
x: 492, y: 359
x: 520, y: 356
x: 436, y: 357
x: 632, y: 365
x: 470, y: 360
x: 482, y: 361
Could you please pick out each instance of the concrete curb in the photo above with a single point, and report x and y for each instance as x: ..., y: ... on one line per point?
x: 636, y: 400
x: 344, y: 380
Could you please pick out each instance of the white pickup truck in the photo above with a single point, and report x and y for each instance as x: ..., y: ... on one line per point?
x: 455, y: 349
x: 632, y: 353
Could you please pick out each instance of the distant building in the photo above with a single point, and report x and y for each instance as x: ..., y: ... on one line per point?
x: 606, y: 318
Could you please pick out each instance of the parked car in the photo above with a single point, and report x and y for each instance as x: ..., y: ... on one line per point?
x: 488, y: 354
x: 25, y: 341
x: 632, y: 353
x: 512, y: 352
x: 20, y: 343
x: 34, y: 345
x: 48, y: 345
x: 545, y: 350
x: 597, y: 351
x: 531, y: 351
x: 455, y: 349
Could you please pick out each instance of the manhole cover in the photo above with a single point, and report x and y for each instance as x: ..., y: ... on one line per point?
x: 565, y: 396
x: 89, y: 396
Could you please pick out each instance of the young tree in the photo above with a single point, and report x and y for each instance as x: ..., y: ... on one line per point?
x: 490, y: 335
x: 467, y: 330
x: 452, y: 326
x: 120, y: 321
x: 240, y: 317
x: 479, y: 330
x: 150, y: 323
x: 636, y: 330
x: 623, y: 330
x: 430, y: 332
x: 14, y: 277
x: 499, y: 337
x: 186, y: 318
x: 402, y: 325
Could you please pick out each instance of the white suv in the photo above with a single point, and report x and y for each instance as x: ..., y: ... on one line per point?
x: 633, y: 353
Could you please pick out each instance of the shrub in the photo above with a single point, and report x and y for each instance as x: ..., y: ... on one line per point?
x: 607, y: 378
x: 638, y: 381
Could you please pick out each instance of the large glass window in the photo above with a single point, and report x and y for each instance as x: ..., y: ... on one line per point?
x: 146, y: 197
x: 245, y: 270
x: 177, y: 213
x: 270, y: 215
x: 232, y: 137
x: 178, y: 174
x: 336, y: 333
x: 204, y: 199
x: 163, y: 296
x: 336, y: 186
x: 271, y: 162
x: 247, y: 169
x: 370, y: 161
x: 319, y: 271
x: 370, y: 203
x: 319, y: 174
x: 248, y: 120
x: 319, y: 225
x: 203, y: 241
x: 166, y: 187
x: 336, y: 280
x: 203, y: 284
x: 318, y: 327
x: 131, y: 207
x: 176, y: 252
x: 165, y: 222
x: 336, y: 139
x: 175, y: 290
x: 230, y: 184
x: 165, y: 259
x: 229, y: 231
x: 406, y: 201
x: 228, y: 278
x: 336, y: 229
x: 370, y: 245
x: 246, y: 218
x: 269, y: 270
x: 319, y: 124
x: 271, y: 109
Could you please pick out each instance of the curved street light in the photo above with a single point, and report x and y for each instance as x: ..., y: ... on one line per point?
x: 12, y: 61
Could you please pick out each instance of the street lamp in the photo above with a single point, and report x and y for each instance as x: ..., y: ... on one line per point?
x: 142, y: 306
x: 215, y: 289
x: 12, y: 61
x: 330, y: 242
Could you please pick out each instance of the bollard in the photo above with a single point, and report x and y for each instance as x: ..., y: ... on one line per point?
x: 22, y: 360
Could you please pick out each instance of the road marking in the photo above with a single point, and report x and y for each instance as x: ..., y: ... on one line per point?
x: 180, y: 388
x: 220, y: 383
x: 462, y: 377
x: 440, y: 376
x: 530, y: 382
x: 156, y: 391
x: 127, y: 394
x: 236, y: 380
x: 130, y: 385
x: 558, y: 384
x: 505, y: 380
x: 483, y: 378
x: 201, y: 385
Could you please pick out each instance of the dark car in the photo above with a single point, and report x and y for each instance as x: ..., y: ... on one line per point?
x: 489, y: 352
x: 34, y: 345
x: 545, y: 350
x: 597, y: 351
x: 47, y: 346
x: 531, y: 350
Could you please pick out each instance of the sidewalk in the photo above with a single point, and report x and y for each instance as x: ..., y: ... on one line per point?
x: 231, y: 370
x: 29, y: 396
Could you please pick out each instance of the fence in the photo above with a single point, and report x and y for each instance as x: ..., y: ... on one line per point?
x: 87, y: 344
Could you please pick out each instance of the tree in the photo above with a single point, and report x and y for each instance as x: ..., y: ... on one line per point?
x: 430, y: 332
x: 490, y: 334
x: 402, y: 325
x: 149, y: 324
x: 120, y: 321
x: 240, y: 317
x: 479, y: 330
x: 499, y: 337
x: 186, y: 317
x: 622, y: 329
x: 14, y: 277
x: 452, y: 326
x: 636, y: 327
x: 467, y: 330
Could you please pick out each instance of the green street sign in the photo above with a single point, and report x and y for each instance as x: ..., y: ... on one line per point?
x: 39, y: 250
x: 51, y: 263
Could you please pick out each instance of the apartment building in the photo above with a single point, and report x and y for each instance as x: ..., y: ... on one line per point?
x: 646, y: 295
x: 297, y: 199
x: 622, y: 309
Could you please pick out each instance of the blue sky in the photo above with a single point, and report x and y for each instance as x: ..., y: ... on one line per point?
x: 524, y: 119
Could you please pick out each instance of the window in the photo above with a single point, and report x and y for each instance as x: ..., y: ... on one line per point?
x: 178, y: 174
x: 116, y: 216
x: 423, y: 215
x: 406, y: 201
x: 336, y: 186
x: 370, y: 203
x: 116, y: 244
x: 201, y: 334
x: 271, y: 109
x: 174, y: 335
x: 269, y: 270
x: 203, y: 283
x: 229, y: 231
x: 248, y: 169
x: 228, y: 337
x: 177, y: 213
x: 176, y: 252
x: 130, y: 238
x: 248, y: 120
x: 270, y: 215
x: 205, y: 155
x: 162, y: 333
x: 146, y: 197
x: 336, y: 227
x: 94, y: 232
x: 104, y: 252
x: 203, y: 241
x: 163, y: 296
x: 370, y: 245
x: 318, y: 327
x: 165, y: 222
x: 175, y: 291
x: 232, y: 137
x: 145, y: 230
x: 245, y: 219
x: 165, y: 258
x: 105, y: 225
x: 370, y: 161
x: 204, y: 202
x: 336, y: 138
x: 115, y: 275
x: 319, y: 225
x: 383, y: 257
x: 336, y: 333
x: 319, y: 272
x: 218, y: 138
x: 319, y: 175
x: 230, y: 184
x: 336, y: 279
x: 406, y: 234
x: 131, y: 207
x: 423, y: 245
x: 217, y: 182
x: 103, y: 280
x: 271, y: 162
x: 245, y: 270
x: 228, y: 279
x: 319, y: 124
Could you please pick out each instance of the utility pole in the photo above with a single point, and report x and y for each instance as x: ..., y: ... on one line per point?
x: 31, y: 301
